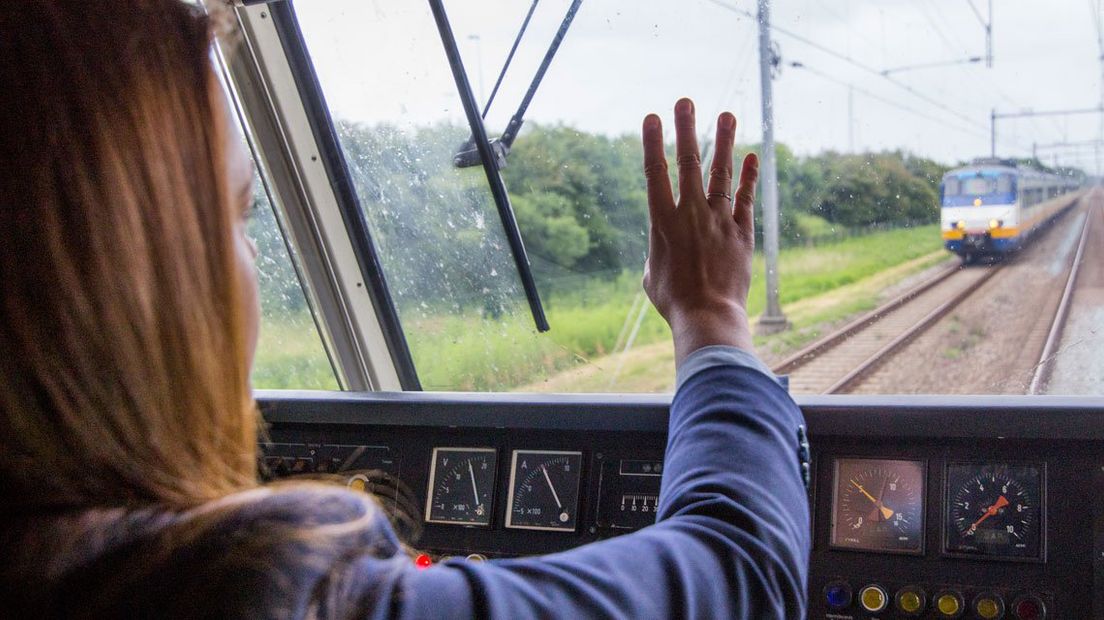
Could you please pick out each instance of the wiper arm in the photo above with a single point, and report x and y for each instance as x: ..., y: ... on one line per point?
x: 510, y: 56
x: 491, y: 168
x: 468, y: 154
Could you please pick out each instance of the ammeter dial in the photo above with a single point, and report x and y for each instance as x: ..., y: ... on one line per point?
x: 878, y: 505
x: 461, y: 486
x: 544, y: 490
x: 994, y: 510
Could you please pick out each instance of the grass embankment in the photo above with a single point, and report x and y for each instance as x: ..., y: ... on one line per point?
x: 820, y: 286
x: 290, y: 355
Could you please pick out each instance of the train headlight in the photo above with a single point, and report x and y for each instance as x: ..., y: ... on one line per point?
x: 977, y: 202
x: 994, y: 223
x: 961, y: 225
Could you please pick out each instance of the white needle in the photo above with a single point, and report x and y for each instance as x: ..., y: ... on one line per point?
x: 549, y: 481
x: 475, y: 489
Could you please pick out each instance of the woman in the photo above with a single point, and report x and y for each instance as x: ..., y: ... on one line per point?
x: 128, y: 318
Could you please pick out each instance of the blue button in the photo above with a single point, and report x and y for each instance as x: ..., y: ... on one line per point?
x: 838, y: 595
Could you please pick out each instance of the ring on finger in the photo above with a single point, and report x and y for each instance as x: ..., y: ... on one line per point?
x: 727, y: 197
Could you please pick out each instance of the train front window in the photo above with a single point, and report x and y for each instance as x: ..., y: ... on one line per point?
x: 978, y: 186
x: 925, y: 192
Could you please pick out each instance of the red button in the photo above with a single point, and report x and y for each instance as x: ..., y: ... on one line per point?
x: 1030, y: 608
x: 423, y: 561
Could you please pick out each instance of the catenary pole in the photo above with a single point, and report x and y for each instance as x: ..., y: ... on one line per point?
x: 772, y: 319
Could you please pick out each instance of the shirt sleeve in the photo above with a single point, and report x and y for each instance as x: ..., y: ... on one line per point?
x: 731, y: 538
x: 718, y: 355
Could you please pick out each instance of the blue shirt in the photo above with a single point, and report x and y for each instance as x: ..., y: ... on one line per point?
x: 732, y: 534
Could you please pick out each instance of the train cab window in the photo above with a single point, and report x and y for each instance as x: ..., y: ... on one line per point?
x: 290, y: 350
x: 862, y: 216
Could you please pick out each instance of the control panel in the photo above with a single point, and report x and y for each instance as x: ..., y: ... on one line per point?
x: 955, y: 529
x: 909, y: 520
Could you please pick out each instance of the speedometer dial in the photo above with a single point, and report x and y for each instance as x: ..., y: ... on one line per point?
x: 461, y: 486
x: 994, y: 510
x: 878, y: 505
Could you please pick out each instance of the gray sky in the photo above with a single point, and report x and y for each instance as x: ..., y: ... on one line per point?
x: 382, y: 61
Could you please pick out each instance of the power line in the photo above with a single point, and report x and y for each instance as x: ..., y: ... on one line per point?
x: 922, y: 6
x: 855, y: 63
x: 889, y: 102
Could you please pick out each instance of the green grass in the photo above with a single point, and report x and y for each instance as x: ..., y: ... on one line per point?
x: 810, y: 225
x: 290, y: 355
x: 466, y: 351
x: 469, y: 352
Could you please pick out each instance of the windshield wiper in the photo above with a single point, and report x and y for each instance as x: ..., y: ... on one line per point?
x: 468, y: 153
x: 490, y: 165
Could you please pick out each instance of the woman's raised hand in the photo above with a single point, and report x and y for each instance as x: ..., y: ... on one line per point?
x: 699, y: 254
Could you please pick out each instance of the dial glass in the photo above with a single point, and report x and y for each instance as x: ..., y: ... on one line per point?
x: 461, y: 486
x: 994, y: 510
x: 878, y: 505
x: 544, y: 490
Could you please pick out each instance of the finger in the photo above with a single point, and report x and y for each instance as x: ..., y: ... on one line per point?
x: 720, y: 172
x: 743, y: 210
x: 661, y: 203
x: 687, y: 153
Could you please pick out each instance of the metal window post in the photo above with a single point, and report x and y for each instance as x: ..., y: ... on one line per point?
x: 772, y: 319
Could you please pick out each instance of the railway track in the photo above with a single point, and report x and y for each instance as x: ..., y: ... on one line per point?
x: 840, y: 362
x: 1050, y: 350
x: 843, y: 359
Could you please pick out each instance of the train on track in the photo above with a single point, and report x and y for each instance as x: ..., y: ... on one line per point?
x: 992, y: 207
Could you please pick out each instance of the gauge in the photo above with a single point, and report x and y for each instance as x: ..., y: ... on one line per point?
x: 544, y: 490
x: 461, y: 486
x: 994, y: 510
x: 878, y: 505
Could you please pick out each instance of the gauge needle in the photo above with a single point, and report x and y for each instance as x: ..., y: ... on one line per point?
x: 549, y: 481
x: 991, y: 511
x: 475, y: 489
x: 886, y: 511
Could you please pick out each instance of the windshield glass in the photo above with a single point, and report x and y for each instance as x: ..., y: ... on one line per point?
x: 882, y: 289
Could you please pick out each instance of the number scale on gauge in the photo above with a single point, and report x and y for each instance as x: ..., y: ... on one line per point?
x: 993, y: 510
x: 544, y: 490
x: 461, y: 486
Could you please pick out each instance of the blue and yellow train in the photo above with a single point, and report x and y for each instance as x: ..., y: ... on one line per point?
x: 992, y: 207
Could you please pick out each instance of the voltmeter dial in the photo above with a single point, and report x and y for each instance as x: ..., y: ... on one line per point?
x: 544, y: 490
x: 994, y: 510
x: 461, y: 486
x: 878, y: 505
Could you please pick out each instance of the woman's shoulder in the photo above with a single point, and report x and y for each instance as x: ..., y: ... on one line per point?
x: 269, y: 549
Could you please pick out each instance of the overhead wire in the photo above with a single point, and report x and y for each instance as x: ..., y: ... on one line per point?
x: 886, y: 101
x: 855, y: 63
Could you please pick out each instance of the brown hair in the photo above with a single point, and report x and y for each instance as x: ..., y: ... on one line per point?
x: 127, y: 431
x: 122, y: 339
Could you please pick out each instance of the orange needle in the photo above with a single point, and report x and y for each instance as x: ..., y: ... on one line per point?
x: 886, y: 511
x: 992, y: 510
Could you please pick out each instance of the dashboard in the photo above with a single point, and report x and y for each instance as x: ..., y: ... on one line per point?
x: 922, y: 507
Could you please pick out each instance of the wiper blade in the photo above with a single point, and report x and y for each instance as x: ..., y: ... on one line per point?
x: 468, y: 154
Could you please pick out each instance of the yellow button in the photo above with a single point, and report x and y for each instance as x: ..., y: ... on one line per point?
x: 948, y: 605
x: 873, y: 598
x: 358, y: 483
x: 988, y: 608
x: 910, y: 602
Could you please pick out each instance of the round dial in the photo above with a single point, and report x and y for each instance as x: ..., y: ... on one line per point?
x: 993, y: 510
x: 879, y: 505
x: 544, y: 490
x: 462, y: 485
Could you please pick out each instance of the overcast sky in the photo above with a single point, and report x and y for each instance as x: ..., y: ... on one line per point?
x: 383, y: 61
